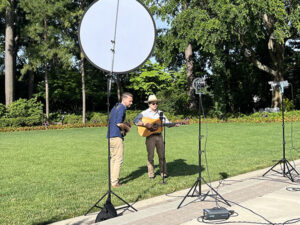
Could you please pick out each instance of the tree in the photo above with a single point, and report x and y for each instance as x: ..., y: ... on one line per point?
x: 257, y: 27
x: 251, y: 28
x: 48, y: 41
x: 150, y: 79
x: 9, y: 52
x: 170, y: 86
x: 176, y: 44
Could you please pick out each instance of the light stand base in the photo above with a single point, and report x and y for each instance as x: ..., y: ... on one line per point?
x: 202, y: 196
x: 286, y: 169
x: 108, y: 199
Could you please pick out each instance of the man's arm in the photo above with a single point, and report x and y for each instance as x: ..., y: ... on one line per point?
x: 123, y: 126
x: 138, y: 120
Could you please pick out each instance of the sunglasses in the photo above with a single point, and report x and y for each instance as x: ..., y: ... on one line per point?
x: 154, y: 103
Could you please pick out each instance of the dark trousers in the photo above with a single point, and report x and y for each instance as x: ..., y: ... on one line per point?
x: 155, y: 141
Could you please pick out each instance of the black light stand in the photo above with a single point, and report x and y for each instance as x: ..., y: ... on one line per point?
x: 109, y: 192
x: 198, y: 84
x: 109, y: 79
x: 287, y: 167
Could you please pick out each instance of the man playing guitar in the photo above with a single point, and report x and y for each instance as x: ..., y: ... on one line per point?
x: 154, y: 139
x: 118, y: 130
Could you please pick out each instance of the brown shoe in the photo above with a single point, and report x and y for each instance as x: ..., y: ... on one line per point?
x: 116, y: 185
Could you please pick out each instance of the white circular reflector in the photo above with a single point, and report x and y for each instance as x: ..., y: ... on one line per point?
x: 129, y: 23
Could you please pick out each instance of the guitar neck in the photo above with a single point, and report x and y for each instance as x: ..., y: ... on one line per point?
x: 170, y: 124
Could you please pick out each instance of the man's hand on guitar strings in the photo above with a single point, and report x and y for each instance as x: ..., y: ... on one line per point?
x: 150, y: 127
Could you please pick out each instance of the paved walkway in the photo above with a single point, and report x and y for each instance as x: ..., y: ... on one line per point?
x: 253, y: 198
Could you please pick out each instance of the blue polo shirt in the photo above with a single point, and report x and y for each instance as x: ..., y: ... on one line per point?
x: 117, y: 115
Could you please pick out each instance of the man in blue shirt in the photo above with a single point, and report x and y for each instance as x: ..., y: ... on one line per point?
x: 118, y: 130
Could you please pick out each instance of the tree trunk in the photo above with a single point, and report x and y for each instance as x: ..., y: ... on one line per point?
x: 190, y: 75
x: 276, y: 97
x: 83, y: 88
x: 276, y: 51
x: 46, y: 74
x: 30, y: 84
x: 9, y: 54
x: 47, y: 93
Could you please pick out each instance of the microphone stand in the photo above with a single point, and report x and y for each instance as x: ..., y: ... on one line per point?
x: 200, y: 178
x: 164, y: 147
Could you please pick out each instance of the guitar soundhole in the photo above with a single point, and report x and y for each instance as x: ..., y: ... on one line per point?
x: 155, y: 126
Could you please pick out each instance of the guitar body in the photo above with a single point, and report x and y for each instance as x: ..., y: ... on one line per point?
x: 156, y: 123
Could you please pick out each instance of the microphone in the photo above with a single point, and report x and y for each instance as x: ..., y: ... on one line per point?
x: 161, y: 116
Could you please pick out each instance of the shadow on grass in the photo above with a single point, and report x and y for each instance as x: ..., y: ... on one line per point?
x: 224, y: 175
x: 180, y: 168
x: 134, y: 175
x: 51, y: 220
x: 176, y: 168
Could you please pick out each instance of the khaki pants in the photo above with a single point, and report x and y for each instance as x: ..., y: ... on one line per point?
x: 153, y: 141
x: 117, y: 153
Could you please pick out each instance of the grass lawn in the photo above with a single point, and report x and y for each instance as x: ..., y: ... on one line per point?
x: 47, y: 176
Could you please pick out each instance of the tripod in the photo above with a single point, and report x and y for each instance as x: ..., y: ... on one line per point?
x: 193, y: 189
x: 287, y: 167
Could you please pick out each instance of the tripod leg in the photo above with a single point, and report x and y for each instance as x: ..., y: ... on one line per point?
x: 217, y: 193
x: 195, y: 184
x: 289, y: 168
x: 205, y: 195
x: 292, y: 167
x: 124, y: 201
x: 195, y: 187
x: 280, y: 161
x: 288, y: 173
x: 95, y: 205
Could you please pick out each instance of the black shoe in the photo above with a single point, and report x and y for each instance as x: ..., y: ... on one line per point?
x: 152, y: 177
x: 165, y: 175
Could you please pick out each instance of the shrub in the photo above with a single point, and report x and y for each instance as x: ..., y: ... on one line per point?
x: 55, y: 117
x: 98, y: 118
x: 20, y: 121
x: 22, y: 113
x: 17, y: 109
x: 5, y: 122
x: 288, y: 105
x: 131, y: 114
x: 24, y: 108
x: 72, y: 119
x: 2, y: 110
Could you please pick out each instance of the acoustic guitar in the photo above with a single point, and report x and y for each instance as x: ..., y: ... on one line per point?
x: 157, y: 126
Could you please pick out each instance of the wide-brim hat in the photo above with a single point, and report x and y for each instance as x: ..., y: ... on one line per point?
x: 152, y: 98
